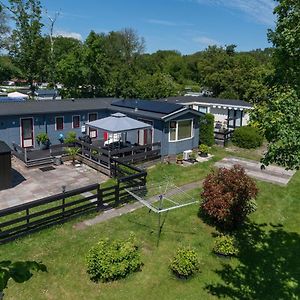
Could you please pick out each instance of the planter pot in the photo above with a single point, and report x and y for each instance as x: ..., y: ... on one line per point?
x: 179, y: 161
x: 203, y: 154
x: 44, y: 146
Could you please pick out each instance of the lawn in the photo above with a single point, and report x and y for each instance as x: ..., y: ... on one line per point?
x: 268, y: 266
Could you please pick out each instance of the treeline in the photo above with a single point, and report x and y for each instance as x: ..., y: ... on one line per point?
x: 115, y: 64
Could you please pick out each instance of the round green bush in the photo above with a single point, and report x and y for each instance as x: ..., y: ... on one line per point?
x: 185, y: 263
x: 247, y: 137
x: 112, y: 260
x: 225, y: 245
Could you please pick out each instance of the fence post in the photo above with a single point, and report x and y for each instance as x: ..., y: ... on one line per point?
x: 99, y: 198
x: 25, y: 155
x: 27, y: 217
x: 117, y: 194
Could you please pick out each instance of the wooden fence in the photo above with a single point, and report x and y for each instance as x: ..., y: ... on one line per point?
x: 223, y: 137
x: 27, y: 218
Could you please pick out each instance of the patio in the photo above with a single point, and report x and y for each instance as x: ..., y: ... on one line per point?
x: 31, y: 184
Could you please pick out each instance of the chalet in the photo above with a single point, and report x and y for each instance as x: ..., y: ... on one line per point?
x: 173, y: 125
x: 228, y: 113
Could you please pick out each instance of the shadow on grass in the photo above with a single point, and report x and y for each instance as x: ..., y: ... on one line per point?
x: 269, y: 265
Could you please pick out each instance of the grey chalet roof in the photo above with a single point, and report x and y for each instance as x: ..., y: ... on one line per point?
x: 31, y: 107
x: 139, y: 108
x: 208, y: 100
x: 117, y: 123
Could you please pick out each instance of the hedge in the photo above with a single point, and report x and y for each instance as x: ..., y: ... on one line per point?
x: 247, y: 137
x: 206, y: 130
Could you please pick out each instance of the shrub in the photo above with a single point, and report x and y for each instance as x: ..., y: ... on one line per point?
x: 225, y: 245
x: 228, y: 197
x: 71, y: 137
x: 206, y: 130
x: 247, y: 137
x: 112, y: 260
x: 185, y: 263
x: 204, y: 149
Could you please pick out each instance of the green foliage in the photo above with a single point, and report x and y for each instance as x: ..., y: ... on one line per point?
x: 279, y: 119
x: 225, y: 245
x: 179, y: 156
x: 71, y: 137
x: 18, y: 271
x: 206, y: 130
x: 73, y: 151
x: 42, y: 138
x: 247, y: 137
x: 185, y: 263
x: 112, y: 260
x: 204, y: 149
x: 27, y: 46
x: 286, y: 40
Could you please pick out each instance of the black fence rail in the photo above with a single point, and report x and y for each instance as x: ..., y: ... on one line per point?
x: 223, y: 137
x: 27, y: 218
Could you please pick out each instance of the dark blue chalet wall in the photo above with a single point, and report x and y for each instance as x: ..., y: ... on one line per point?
x: 179, y: 146
x: 10, y: 131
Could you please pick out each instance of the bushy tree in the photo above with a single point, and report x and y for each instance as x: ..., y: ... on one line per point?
x: 228, y: 197
x: 286, y: 40
x: 27, y: 46
x: 206, y: 129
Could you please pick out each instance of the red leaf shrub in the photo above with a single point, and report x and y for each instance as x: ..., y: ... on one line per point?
x: 228, y: 197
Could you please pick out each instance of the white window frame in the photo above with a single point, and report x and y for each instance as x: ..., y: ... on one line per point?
x: 73, y: 122
x: 176, y: 132
x: 56, y: 123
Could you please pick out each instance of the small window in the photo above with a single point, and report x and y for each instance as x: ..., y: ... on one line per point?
x: 76, y: 121
x: 181, y: 130
x: 202, y: 109
x: 59, y: 123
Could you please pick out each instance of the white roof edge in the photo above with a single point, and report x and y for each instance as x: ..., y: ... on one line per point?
x: 215, y: 104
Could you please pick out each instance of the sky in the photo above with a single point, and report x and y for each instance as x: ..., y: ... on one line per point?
x: 184, y: 25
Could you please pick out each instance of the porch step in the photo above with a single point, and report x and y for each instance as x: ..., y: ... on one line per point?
x: 40, y: 162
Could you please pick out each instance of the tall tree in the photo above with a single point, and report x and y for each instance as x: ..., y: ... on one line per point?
x: 278, y: 117
x: 286, y: 40
x: 27, y: 45
x: 4, y: 28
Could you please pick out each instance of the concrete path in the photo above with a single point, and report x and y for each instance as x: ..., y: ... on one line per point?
x: 273, y: 174
x: 128, y: 208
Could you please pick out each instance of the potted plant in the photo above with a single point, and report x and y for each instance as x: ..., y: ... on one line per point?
x: 72, y: 152
x: 193, y: 157
x: 203, y: 149
x: 43, y: 140
x: 179, y: 158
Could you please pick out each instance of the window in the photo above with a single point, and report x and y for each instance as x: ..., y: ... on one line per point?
x: 202, y: 109
x: 181, y: 130
x: 59, y: 123
x: 76, y: 122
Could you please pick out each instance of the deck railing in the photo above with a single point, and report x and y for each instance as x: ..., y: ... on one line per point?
x: 223, y: 137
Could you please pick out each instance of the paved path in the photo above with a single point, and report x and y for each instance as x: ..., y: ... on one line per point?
x: 128, y: 208
x: 273, y: 174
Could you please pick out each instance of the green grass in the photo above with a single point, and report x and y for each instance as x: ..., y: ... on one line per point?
x: 267, y: 268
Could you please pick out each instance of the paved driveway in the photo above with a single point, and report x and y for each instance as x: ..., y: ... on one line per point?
x: 273, y: 174
x: 33, y: 184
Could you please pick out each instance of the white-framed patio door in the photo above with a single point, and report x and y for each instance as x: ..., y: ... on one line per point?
x: 27, y: 136
x: 145, y: 136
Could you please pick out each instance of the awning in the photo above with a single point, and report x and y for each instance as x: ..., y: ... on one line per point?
x: 118, y: 123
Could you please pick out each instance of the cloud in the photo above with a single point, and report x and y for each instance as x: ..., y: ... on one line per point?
x: 74, y: 35
x: 167, y: 23
x: 259, y: 10
x: 205, y: 41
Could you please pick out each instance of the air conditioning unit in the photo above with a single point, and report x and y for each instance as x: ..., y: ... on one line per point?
x: 186, y: 154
